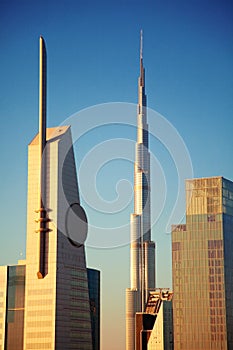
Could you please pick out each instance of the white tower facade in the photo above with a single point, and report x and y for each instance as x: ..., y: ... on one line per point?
x: 142, y: 249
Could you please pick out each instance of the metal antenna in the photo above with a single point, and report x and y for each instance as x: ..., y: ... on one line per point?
x: 141, y: 43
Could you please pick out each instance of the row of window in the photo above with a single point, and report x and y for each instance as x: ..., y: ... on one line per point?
x: 39, y: 334
x: 217, y: 337
x: 78, y: 273
x: 218, y: 321
x: 37, y: 313
x: 78, y: 282
x: 43, y: 346
x: 39, y: 291
x: 79, y: 293
x: 83, y: 314
x: 40, y: 302
x: 215, y: 254
x: 83, y: 335
x: 216, y: 279
x: 217, y: 312
x: 216, y: 287
x: 215, y: 271
x: 39, y: 324
x: 216, y: 303
x: 215, y: 262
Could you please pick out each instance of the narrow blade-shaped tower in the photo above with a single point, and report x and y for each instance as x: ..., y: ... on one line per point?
x: 57, y: 312
x: 42, y: 219
x: 142, y: 249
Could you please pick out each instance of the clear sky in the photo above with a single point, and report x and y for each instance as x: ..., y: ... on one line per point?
x: 93, y: 58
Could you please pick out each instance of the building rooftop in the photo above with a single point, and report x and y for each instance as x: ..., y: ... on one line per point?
x: 51, y: 133
x: 155, y: 299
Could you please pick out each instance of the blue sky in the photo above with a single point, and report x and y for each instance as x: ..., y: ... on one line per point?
x: 93, y: 50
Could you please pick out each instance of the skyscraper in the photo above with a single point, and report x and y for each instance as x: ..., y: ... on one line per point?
x: 142, y: 249
x: 45, y: 301
x: 202, y: 264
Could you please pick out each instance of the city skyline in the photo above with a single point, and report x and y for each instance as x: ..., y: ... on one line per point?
x: 189, y: 80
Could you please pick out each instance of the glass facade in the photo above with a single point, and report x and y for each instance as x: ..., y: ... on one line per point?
x: 57, y: 306
x: 62, y: 310
x: 14, y: 307
x: 45, y: 303
x: 94, y: 296
x: 203, y: 267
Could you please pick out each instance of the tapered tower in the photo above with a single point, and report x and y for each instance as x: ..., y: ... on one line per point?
x: 142, y: 249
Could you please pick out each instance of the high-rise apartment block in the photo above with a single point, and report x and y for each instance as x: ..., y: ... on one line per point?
x: 202, y: 263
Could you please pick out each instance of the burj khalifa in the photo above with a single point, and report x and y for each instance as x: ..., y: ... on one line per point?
x: 142, y: 248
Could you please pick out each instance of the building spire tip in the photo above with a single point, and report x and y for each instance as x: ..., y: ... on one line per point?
x: 141, y: 43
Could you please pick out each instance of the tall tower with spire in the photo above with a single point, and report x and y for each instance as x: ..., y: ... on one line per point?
x: 142, y: 249
x: 51, y: 300
x: 57, y: 304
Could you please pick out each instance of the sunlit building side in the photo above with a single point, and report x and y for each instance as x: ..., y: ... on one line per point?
x: 202, y: 264
x: 57, y: 307
x: 46, y: 301
x: 12, y: 290
x: 142, y: 248
x: 154, y: 327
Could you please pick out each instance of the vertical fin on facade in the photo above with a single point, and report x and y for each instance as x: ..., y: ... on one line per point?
x: 42, y: 219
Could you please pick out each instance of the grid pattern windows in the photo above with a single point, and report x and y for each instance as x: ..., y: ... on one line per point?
x: 202, y: 262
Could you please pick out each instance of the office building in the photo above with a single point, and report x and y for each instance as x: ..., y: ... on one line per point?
x: 154, y: 327
x: 12, y: 282
x: 202, y: 264
x: 46, y: 299
x: 142, y: 249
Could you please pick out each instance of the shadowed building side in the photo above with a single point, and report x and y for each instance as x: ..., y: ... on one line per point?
x: 94, y: 295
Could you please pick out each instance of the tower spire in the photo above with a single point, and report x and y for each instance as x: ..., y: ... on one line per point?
x: 142, y: 71
x: 42, y: 96
x: 142, y: 249
x: 42, y: 219
x: 141, y: 44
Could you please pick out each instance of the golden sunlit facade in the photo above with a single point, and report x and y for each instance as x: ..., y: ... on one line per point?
x: 202, y: 263
x: 57, y: 308
x: 154, y: 329
x: 3, y: 302
x: 45, y: 300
